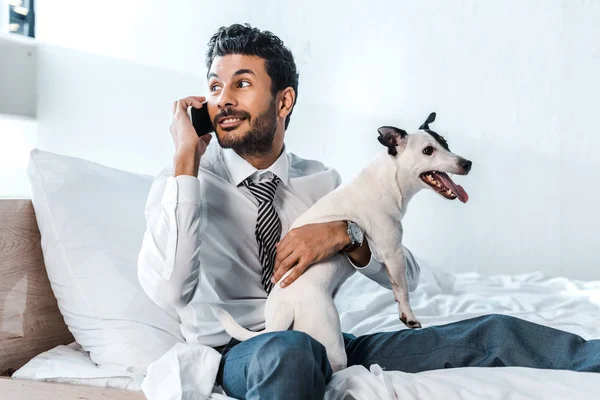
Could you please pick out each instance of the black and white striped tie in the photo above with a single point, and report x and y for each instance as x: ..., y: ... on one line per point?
x: 268, y: 226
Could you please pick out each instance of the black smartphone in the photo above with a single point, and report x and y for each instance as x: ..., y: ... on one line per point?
x: 200, y: 120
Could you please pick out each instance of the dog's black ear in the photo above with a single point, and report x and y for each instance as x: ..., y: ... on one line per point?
x: 390, y: 137
x: 428, y: 121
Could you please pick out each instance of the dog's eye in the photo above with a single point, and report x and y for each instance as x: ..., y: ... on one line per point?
x: 428, y: 150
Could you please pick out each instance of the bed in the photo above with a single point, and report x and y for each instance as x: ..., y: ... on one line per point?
x: 40, y: 353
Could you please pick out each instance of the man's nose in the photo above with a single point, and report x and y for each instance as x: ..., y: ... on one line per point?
x: 226, y: 98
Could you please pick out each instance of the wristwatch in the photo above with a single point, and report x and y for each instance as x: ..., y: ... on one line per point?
x: 356, y: 236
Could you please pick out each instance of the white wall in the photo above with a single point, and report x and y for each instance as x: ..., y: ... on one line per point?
x: 17, y: 137
x: 108, y: 110
x: 514, y: 83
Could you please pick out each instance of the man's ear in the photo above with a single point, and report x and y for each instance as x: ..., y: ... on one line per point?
x: 391, y: 137
x: 286, y: 101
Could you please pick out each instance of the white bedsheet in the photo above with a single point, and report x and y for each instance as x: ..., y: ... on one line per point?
x: 365, y: 307
x: 440, y: 298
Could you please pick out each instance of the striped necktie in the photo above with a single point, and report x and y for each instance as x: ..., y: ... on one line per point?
x: 268, y: 226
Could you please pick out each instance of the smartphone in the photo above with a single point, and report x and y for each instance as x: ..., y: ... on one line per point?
x: 200, y: 120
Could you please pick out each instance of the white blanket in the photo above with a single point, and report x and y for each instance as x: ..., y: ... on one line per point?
x: 365, y: 307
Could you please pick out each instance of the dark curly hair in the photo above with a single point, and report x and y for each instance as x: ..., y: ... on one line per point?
x: 246, y: 40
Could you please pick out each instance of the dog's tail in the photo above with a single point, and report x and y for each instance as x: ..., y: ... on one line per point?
x: 240, y: 333
x: 234, y: 329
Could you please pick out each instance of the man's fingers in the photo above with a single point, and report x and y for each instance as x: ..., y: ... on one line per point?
x: 283, y: 244
x: 196, y: 104
x: 282, y: 253
x: 284, y: 267
x: 191, y: 101
x: 298, y: 270
x: 198, y: 99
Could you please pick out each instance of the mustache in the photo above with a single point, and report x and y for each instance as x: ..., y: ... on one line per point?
x: 232, y: 113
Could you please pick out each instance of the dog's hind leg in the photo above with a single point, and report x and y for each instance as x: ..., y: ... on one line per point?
x: 336, y: 352
x: 395, y: 264
x: 279, y: 316
x: 322, y: 323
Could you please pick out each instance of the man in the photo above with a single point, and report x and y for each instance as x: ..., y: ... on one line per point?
x: 215, y: 218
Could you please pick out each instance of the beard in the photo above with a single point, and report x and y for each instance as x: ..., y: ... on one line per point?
x: 258, y: 140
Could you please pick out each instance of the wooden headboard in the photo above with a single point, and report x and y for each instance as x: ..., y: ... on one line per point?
x: 30, y: 322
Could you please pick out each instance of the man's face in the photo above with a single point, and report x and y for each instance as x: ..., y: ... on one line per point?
x: 241, y: 105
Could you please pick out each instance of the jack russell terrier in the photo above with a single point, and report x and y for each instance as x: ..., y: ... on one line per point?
x: 376, y: 201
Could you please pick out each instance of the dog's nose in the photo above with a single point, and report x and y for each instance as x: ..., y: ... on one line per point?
x: 466, y: 165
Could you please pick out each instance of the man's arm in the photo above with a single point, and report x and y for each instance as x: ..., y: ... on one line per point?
x: 312, y: 243
x: 168, y: 262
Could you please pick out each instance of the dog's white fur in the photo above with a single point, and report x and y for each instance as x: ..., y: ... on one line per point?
x: 376, y: 200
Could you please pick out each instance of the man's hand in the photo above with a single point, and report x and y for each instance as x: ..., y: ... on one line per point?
x: 308, y: 245
x: 189, y: 147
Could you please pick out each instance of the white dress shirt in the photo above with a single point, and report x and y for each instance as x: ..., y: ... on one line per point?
x: 200, y: 248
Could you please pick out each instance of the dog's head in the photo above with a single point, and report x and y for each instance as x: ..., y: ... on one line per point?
x: 426, y: 157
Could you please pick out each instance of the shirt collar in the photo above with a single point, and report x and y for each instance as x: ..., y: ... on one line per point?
x: 241, y: 169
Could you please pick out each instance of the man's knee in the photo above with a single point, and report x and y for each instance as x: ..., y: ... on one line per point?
x: 291, y: 343
x: 498, y: 319
x: 292, y: 351
x: 499, y: 325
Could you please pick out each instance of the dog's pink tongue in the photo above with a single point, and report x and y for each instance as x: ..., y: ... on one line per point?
x: 457, y: 189
x: 460, y: 192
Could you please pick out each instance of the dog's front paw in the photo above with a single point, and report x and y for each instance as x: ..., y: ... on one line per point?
x: 412, y: 323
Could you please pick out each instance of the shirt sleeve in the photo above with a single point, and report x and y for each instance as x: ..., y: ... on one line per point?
x: 168, y: 262
x: 376, y: 271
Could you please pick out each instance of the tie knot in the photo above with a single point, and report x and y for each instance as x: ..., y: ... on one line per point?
x: 263, y: 191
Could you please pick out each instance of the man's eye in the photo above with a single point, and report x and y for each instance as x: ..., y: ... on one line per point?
x: 214, y: 88
x: 244, y: 84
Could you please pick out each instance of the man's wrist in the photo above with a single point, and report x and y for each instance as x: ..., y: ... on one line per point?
x: 341, y: 238
x: 361, y: 256
x: 186, y: 161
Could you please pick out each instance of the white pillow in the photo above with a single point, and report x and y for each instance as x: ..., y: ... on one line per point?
x: 91, y: 220
x: 70, y: 364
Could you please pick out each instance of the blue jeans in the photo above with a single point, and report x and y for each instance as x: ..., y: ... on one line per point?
x: 292, y: 365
